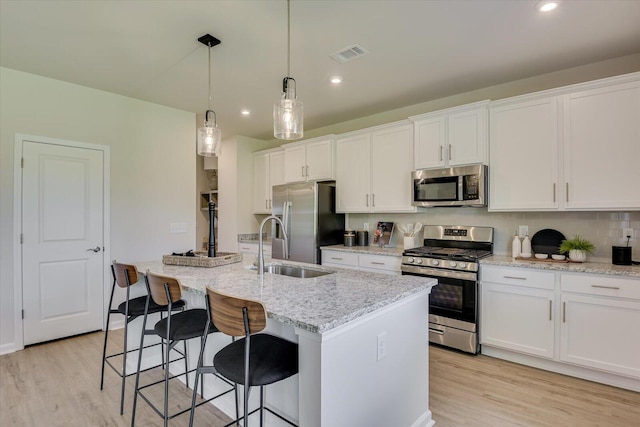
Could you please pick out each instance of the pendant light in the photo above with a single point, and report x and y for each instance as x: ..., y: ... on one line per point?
x: 287, y: 112
x: 209, y: 135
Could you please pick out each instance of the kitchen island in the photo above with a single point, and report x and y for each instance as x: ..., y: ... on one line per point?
x: 363, y: 342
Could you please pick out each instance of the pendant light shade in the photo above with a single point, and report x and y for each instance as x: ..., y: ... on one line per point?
x: 209, y: 135
x: 288, y: 120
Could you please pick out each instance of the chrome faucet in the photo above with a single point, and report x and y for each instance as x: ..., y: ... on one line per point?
x: 260, y: 242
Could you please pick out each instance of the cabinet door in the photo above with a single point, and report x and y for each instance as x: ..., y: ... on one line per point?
x: 276, y: 170
x: 261, y: 186
x: 340, y: 259
x: 602, y: 148
x: 467, y: 137
x: 391, y: 166
x: 294, y: 164
x: 353, y: 174
x: 518, y: 319
x: 523, y: 152
x: 601, y: 333
x: 430, y: 141
x: 320, y: 160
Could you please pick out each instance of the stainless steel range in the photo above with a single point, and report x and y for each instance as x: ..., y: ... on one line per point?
x: 451, y: 254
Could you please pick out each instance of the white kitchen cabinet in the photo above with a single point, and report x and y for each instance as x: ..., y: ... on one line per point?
x: 451, y: 137
x: 250, y: 248
x: 268, y: 170
x: 373, y: 169
x: 310, y: 160
x: 602, y: 147
x: 523, y: 171
x: 517, y: 310
x: 385, y: 264
x: 600, y: 322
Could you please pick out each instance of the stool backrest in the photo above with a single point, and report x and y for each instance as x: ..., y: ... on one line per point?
x: 156, y: 284
x: 122, y: 272
x: 227, y: 314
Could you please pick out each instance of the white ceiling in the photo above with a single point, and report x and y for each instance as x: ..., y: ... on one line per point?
x: 420, y: 50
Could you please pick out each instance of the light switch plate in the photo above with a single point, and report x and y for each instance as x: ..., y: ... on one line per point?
x: 627, y: 232
x: 523, y: 230
x: 178, y: 227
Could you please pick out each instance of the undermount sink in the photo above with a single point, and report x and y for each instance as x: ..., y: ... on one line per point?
x: 293, y: 271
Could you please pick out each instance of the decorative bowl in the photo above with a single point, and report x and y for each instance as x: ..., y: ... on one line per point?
x: 558, y: 257
x: 542, y: 256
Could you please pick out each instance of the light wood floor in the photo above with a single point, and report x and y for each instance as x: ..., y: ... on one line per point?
x: 57, y: 384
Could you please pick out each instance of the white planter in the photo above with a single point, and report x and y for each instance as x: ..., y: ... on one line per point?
x: 577, y: 255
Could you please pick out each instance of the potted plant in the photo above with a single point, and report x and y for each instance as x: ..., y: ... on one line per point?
x: 577, y: 248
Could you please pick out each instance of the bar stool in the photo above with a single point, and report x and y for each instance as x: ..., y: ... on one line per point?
x: 256, y: 359
x: 126, y: 275
x: 166, y: 291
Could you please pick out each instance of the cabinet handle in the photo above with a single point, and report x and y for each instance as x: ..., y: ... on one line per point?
x: 604, y: 287
x: 307, y: 169
x: 515, y: 277
x: 441, y: 148
x: 336, y: 258
x: 367, y: 200
x: 550, y: 308
x: 564, y: 312
x: 554, y: 192
x: 567, y: 193
x: 377, y: 263
x: 373, y: 200
x: 270, y: 205
x: 449, y: 151
x: 266, y: 203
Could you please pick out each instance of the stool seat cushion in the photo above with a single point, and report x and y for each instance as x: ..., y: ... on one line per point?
x: 136, y: 306
x: 271, y: 359
x: 185, y: 325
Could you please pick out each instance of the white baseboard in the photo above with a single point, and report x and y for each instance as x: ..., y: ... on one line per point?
x: 7, y: 348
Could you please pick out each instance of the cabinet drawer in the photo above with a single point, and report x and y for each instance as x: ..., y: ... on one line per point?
x: 518, y: 277
x: 252, y: 248
x: 340, y: 258
x: 380, y: 262
x: 600, y: 285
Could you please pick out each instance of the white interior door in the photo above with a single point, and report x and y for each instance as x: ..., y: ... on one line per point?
x: 62, y: 250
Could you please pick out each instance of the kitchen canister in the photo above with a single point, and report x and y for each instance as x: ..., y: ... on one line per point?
x: 516, y: 247
x: 349, y: 238
x: 363, y: 238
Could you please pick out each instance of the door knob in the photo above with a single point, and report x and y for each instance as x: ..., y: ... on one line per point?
x: 96, y: 249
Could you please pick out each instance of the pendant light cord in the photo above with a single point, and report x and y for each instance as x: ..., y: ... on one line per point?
x: 209, y: 76
x: 288, y: 38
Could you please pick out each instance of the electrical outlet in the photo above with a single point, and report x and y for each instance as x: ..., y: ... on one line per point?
x: 365, y: 226
x: 523, y: 230
x: 382, y: 345
x: 627, y: 232
x: 177, y: 227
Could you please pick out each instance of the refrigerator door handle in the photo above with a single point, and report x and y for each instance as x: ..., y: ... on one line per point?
x: 286, y: 206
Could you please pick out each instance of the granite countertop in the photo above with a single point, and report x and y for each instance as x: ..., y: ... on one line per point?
x: 573, y: 267
x: 371, y: 250
x: 317, y: 304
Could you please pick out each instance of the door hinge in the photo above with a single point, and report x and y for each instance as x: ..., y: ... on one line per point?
x: 21, y: 238
x: 22, y: 314
x: 22, y: 162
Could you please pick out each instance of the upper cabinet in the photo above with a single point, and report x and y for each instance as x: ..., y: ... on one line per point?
x: 310, y: 160
x: 451, y: 137
x: 602, y: 147
x: 268, y: 170
x: 374, y: 168
x: 573, y: 148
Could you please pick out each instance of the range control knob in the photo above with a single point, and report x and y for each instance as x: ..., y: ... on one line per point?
x: 453, y: 264
x: 410, y: 260
x: 435, y: 262
x: 463, y: 265
x: 419, y: 261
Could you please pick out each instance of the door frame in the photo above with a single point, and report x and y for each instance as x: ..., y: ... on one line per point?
x: 17, y: 223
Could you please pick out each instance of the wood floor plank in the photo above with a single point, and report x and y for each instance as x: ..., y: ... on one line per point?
x: 57, y: 384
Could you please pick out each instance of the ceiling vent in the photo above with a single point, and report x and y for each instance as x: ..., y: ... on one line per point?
x: 349, y: 53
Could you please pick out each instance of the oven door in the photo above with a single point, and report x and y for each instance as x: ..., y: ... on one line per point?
x: 455, y: 297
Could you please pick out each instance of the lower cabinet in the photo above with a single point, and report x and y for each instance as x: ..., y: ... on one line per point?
x: 252, y: 248
x: 386, y: 264
x: 585, y: 325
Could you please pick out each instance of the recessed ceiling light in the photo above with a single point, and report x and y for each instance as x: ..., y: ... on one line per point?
x: 245, y: 112
x: 546, y: 5
x: 335, y: 80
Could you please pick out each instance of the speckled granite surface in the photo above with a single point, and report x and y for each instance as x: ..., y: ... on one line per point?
x: 316, y: 304
x: 585, y: 267
x: 371, y: 249
x: 252, y: 238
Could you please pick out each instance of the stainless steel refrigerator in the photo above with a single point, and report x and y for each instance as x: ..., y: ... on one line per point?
x: 308, y: 211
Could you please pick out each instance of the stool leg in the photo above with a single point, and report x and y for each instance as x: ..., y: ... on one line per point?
x: 261, y: 405
x: 106, y: 333
x: 124, y: 353
x: 135, y: 391
x: 186, y: 363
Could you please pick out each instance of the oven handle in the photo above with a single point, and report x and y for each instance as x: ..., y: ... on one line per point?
x: 436, y: 272
x: 436, y: 331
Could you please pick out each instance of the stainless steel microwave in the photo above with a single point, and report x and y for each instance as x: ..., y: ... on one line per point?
x: 455, y: 186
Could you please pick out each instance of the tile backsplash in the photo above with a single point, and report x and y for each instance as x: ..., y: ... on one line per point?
x: 604, y: 229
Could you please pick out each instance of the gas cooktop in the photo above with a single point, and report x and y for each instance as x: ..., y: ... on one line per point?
x: 437, y: 252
